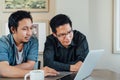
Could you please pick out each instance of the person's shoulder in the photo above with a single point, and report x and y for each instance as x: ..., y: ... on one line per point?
x: 33, y: 38
x: 51, y: 37
x: 5, y: 39
x: 78, y: 37
x: 78, y: 34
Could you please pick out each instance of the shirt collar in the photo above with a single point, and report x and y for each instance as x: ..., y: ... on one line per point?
x: 12, y: 39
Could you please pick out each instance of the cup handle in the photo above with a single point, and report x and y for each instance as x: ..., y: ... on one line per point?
x: 25, y: 77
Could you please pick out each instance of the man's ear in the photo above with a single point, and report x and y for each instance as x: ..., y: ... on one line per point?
x: 12, y: 30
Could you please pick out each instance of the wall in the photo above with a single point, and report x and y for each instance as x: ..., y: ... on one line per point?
x: 95, y: 19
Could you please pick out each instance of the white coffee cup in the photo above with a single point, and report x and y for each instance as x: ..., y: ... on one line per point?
x: 35, y: 75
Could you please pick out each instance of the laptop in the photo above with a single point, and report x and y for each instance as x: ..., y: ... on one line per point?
x: 87, y: 67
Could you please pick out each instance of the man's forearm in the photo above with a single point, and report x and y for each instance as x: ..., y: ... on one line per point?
x: 11, y: 71
x: 58, y: 65
x: 27, y: 65
x: 76, y: 66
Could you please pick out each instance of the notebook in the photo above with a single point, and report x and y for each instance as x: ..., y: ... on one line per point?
x: 87, y: 67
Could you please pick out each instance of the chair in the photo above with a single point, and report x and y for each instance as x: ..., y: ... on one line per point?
x: 37, y: 65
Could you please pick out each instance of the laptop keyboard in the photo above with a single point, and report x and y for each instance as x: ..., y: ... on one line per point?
x: 68, y: 77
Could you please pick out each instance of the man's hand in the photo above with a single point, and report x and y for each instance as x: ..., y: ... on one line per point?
x: 49, y: 71
x: 76, y: 66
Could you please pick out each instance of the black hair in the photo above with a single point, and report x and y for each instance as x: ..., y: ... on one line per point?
x: 16, y: 17
x: 59, y: 20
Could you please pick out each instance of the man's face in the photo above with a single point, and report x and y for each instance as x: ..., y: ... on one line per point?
x: 24, y: 31
x: 64, y: 33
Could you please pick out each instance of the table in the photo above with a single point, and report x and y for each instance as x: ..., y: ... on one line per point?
x: 97, y: 74
x: 104, y: 75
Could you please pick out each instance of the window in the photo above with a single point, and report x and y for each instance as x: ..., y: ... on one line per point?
x: 116, y: 41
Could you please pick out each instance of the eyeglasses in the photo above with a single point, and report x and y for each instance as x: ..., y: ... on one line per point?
x: 63, y: 35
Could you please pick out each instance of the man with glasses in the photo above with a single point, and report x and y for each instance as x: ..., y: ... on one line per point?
x: 65, y: 49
